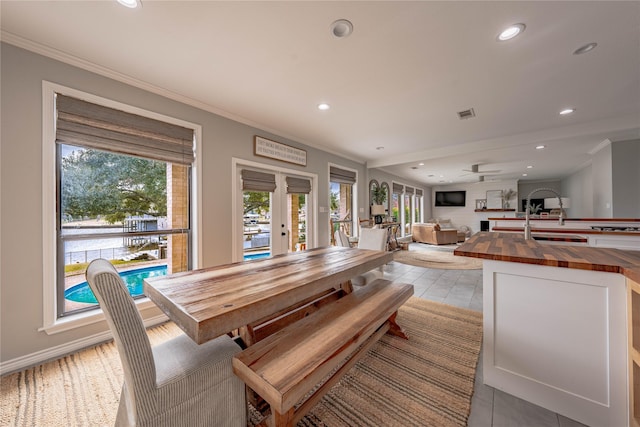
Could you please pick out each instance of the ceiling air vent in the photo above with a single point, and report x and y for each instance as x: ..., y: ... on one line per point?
x: 466, y: 114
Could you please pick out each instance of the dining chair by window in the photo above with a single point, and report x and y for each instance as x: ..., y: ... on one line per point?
x: 375, y: 239
x: 174, y: 383
x: 341, y: 239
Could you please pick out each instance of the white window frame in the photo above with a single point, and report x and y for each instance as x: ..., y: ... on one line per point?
x: 237, y: 164
x: 413, y: 203
x: 51, y: 323
x: 355, y: 211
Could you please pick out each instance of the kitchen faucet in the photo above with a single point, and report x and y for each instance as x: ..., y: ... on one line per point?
x: 527, y: 226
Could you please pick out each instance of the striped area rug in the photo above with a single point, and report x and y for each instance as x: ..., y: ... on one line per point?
x: 425, y: 381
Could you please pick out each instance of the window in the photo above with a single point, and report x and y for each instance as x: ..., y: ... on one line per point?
x: 123, y: 191
x: 341, y: 187
x: 397, y: 190
x: 418, y: 204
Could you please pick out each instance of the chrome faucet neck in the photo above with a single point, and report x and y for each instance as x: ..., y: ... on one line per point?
x: 527, y: 225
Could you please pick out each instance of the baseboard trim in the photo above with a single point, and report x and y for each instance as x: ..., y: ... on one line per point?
x: 52, y: 353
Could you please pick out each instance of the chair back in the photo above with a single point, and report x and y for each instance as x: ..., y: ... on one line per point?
x: 341, y: 238
x: 129, y: 334
x: 373, y: 238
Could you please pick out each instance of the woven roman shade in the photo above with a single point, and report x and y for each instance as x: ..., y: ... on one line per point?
x: 298, y: 185
x: 397, y: 188
x: 258, y: 181
x: 86, y: 124
x: 408, y: 190
x: 341, y: 175
x: 418, y: 192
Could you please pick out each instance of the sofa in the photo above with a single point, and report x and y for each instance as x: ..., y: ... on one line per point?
x: 433, y: 234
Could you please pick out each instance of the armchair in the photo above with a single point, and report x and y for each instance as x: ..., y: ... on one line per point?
x: 433, y: 234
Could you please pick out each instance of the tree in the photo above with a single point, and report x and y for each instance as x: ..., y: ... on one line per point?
x: 256, y: 201
x: 97, y: 183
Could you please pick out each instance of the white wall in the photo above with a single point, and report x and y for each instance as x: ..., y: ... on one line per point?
x: 578, y: 187
x: 466, y: 215
x: 602, y: 183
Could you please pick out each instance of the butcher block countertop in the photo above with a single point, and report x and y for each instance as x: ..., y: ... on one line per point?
x: 514, y: 248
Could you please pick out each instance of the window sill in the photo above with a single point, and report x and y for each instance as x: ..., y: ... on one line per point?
x: 79, y: 320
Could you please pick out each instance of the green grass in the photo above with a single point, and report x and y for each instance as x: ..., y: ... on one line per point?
x: 79, y: 268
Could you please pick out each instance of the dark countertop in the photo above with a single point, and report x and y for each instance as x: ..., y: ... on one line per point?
x: 513, y: 247
x: 568, y: 230
x: 559, y: 238
x: 605, y: 220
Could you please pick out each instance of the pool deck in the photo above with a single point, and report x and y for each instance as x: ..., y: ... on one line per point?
x: 74, y: 279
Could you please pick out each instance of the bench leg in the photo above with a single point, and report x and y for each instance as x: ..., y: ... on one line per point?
x: 395, y: 329
x: 282, y: 420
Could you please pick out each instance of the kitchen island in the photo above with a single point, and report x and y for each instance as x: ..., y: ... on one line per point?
x: 619, y: 233
x: 562, y: 326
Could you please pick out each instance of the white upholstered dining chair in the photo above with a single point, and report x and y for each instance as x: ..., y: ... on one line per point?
x: 376, y: 239
x: 341, y: 239
x: 176, y: 383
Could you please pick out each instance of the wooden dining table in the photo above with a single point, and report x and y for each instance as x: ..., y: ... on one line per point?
x: 210, y: 302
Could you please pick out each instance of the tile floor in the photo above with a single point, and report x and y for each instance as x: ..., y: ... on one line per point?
x: 463, y: 288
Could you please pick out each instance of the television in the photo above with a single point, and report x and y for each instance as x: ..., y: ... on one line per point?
x: 451, y: 198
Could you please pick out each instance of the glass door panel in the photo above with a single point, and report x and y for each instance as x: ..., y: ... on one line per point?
x: 279, y: 221
x: 256, y: 242
x: 297, y: 222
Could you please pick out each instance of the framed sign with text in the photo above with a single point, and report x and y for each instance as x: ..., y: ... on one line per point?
x: 274, y: 150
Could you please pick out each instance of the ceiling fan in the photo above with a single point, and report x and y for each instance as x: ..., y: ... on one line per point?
x: 476, y: 169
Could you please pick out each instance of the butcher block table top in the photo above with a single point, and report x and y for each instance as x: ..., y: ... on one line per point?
x: 514, y: 248
x: 210, y: 302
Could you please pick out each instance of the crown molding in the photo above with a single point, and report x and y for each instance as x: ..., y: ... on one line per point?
x: 72, y: 60
x: 599, y: 147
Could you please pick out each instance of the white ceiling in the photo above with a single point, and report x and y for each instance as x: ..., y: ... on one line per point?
x: 397, y: 82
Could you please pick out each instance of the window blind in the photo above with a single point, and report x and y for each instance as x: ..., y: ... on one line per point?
x: 86, y: 124
x: 258, y: 181
x: 408, y: 190
x: 397, y: 188
x: 341, y: 175
x: 418, y: 192
x: 298, y: 185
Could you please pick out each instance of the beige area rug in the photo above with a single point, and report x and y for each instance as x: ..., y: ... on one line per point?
x: 437, y: 259
x: 426, y: 381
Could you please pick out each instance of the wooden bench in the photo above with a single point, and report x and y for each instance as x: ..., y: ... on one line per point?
x: 286, y: 366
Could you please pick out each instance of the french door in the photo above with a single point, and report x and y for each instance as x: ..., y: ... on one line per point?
x: 274, y: 211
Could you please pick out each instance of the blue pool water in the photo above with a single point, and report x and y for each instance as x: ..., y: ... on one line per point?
x: 248, y: 257
x: 132, y: 278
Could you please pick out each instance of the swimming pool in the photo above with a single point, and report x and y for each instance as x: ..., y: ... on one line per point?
x: 132, y: 278
x: 248, y: 257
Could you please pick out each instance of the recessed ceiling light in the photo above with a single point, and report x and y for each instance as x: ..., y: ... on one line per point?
x: 541, y: 147
x: 420, y: 164
x: 567, y: 111
x: 584, y: 49
x: 323, y: 106
x: 379, y: 148
x: 529, y: 167
x: 511, y: 32
x: 132, y: 4
x: 341, y: 28
x: 524, y: 174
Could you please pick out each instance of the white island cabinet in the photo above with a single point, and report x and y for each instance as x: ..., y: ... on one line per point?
x: 557, y: 337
